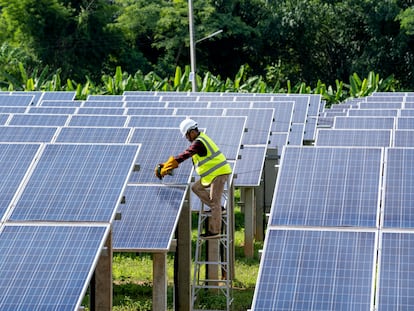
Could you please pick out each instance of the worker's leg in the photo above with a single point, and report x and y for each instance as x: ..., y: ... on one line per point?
x: 212, y: 199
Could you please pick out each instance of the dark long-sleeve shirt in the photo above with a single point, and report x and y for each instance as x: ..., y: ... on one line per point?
x: 197, y: 147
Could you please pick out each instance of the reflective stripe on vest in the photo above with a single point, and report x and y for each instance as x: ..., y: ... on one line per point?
x: 214, y: 163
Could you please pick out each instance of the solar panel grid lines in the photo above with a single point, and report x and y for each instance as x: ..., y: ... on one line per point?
x: 373, y: 112
x: 328, y: 187
x: 12, y: 109
x: 144, y: 104
x: 115, y: 111
x: 39, y: 119
x: 107, y: 135
x: 106, y: 98
x: 149, y: 218
x: 395, y: 283
x: 103, y: 104
x: 16, y: 100
x: 405, y: 123
x: 16, y: 162
x: 76, y: 182
x: 29, y: 134
x: 397, y: 194
x: 354, y: 137
x: 249, y: 170
x: 98, y: 120
x: 52, y: 110
x: 47, y: 267
x: 306, y: 269
x: 36, y: 95
x: 4, y: 117
x: 403, y: 138
x: 381, y: 105
x: 408, y: 112
x: 364, y: 122
x: 58, y: 95
x: 60, y: 103
x: 150, y: 111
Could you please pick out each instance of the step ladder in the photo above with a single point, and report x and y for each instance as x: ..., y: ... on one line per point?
x: 214, y: 258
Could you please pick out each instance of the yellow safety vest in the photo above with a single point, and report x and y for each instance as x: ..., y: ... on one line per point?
x: 213, y: 164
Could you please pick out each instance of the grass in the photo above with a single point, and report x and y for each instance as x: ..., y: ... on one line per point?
x: 132, y: 274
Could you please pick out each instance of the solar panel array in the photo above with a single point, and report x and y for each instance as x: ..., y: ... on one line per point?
x: 69, y: 164
x: 340, y: 232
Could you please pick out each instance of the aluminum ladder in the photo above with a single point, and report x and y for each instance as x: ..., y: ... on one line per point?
x: 214, y: 258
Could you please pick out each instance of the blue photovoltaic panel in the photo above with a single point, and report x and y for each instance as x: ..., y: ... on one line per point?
x: 258, y: 123
x: 29, y: 134
x: 101, y: 111
x: 352, y: 137
x: 157, y: 146
x: 16, y: 100
x: 387, y: 98
x: 398, y: 202
x: 404, y: 138
x: 278, y: 141
x: 36, y: 95
x: 150, y: 111
x: 61, y: 103
x: 39, y: 119
x: 296, y: 134
x: 76, y: 183
x: 108, y: 98
x: 381, y: 105
x: 143, y: 104
x: 310, y: 129
x: 396, y: 279
x: 142, y: 98
x: 409, y: 104
x: 15, y: 160
x: 316, y: 270
x: 369, y: 123
x: 47, y: 267
x: 149, y: 218
x: 231, y: 104
x: 283, y: 112
x: 52, y: 110
x: 301, y: 107
x: 12, y: 109
x: 103, y: 103
x: 107, y: 135
x: 3, y: 118
x: 185, y: 104
x: 405, y: 123
x: 322, y: 186
x: 373, y: 112
x: 407, y: 112
x: 197, y: 111
x: 155, y: 121
x: 178, y: 97
x: 97, y: 120
x: 58, y: 95
x: 249, y: 168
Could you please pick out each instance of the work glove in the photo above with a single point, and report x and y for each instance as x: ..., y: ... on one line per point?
x: 166, y: 168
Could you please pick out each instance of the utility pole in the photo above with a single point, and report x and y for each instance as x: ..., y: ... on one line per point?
x: 192, y: 46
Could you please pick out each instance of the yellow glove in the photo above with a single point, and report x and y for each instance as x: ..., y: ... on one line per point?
x: 168, y: 166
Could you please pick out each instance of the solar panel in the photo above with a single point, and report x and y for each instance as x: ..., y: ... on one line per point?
x: 187, y: 104
x: 76, y: 183
x: 398, y: 200
x: 107, y: 135
x: 353, y: 137
x: 316, y: 270
x: 149, y: 218
x: 296, y: 134
x: 61, y: 103
x: 58, y: 95
x: 103, y: 98
x: 36, y: 95
x: 282, y: 115
x: 30, y: 134
x: 157, y: 146
x: 381, y: 123
x: 3, y: 118
x: 330, y: 187
x: 404, y: 138
x: 178, y: 97
x: 39, y: 119
x: 104, y: 103
x: 231, y: 104
x: 405, y: 123
x: 199, y: 111
x: 381, y: 105
x: 98, y: 120
x: 16, y: 100
x: 407, y: 112
x: 12, y: 109
x: 47, y: 267
x: 249, y: 168
x: 52, y: 110
x: 15, y: 161
x: 143, y: 104
x: 373, y: 112
x: 278, y: 140
x: 258, y: 123
x: 101, y: 111
x: 154, y: 121
x: 150, y: 111
x: 396, y: 282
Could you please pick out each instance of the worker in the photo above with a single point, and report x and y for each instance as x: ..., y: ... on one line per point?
x: 212, y: 167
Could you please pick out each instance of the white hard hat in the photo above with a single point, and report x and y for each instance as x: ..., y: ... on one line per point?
x: 186, y: 125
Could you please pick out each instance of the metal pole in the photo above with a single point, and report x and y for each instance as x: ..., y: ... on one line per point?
x: 192, y: 47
